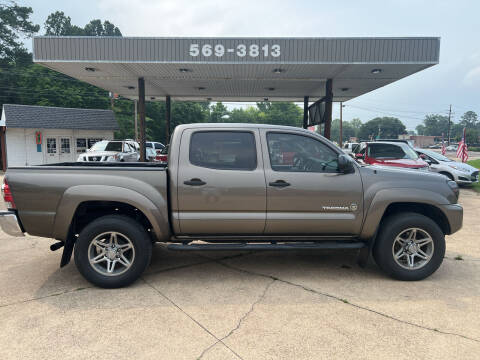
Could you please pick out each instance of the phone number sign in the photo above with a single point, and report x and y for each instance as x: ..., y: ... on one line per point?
x: 240, y: 50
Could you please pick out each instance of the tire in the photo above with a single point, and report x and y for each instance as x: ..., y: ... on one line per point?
x: 387, y: 245
x: 96, y: 255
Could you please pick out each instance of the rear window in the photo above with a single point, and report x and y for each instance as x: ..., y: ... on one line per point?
x: 391, y: 151
x: 224, y: 150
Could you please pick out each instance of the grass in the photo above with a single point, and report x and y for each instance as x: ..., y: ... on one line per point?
x: 475, y: 163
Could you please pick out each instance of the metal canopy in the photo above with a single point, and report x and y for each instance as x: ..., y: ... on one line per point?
x: 237, y: 69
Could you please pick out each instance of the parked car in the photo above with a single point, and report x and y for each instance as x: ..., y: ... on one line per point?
x: 112, y: 151
x: 162, y: 158
x: 349, y: 147
x: 396, y: 154
x: 460, y: 172
x: 151, y: 154
x: 234, y: 187
x: 451, y: 148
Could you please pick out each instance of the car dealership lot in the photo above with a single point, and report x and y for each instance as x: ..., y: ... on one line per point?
x: 263, y: 305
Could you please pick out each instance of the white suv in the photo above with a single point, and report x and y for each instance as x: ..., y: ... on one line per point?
x: 112, y: 150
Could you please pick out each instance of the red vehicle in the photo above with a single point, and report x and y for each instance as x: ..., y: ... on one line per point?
x: 384, y: 153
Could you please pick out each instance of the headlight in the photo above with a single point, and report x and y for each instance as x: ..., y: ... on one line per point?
x: 453, y: 185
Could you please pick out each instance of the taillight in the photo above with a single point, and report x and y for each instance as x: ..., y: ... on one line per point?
x: 162, y: 158
x: 7, y: 195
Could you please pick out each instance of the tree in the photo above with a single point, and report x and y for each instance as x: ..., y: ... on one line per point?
x: 59, y: 24
x: 280, y: 113
x: 348, y: 130
x: 14, y: 22
x: 217, y: 112
x: 420, y: 129
x: 469, y: 119
x: 383, y: 127
x: 96, y: 28
x: 356, y: 124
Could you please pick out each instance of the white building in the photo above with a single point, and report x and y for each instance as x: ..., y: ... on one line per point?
x: 34, y: 135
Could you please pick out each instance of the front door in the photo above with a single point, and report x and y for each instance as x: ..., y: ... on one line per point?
x: 66, y: 149
x: 52, y: 155
x: 306, y: 195
x: 221, y: 182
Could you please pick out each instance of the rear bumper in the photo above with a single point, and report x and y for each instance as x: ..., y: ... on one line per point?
x: 9, y: 223
x: 454, y: 214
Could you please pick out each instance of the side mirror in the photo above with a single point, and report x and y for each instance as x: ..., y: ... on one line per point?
x: 345, y: 165
x: 428, y: 161
x: 423, y: 157
x: 358, y: 156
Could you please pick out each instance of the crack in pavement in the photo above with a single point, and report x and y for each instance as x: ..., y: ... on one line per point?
x: 346, y: 302
x: 191, y: 317
x: 240, y: 321
x: 46, y: 296
x: 152, y: 273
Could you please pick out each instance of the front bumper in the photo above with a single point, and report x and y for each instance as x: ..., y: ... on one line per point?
x: 454, y: 214
x: 9, y: 223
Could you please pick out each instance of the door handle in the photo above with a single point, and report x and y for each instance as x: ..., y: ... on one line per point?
x: 279, y: 183
x: 194, y: 182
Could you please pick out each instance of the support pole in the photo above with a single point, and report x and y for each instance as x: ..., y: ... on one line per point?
x: 305, y: 112
x: 328, y: 108
x: 141, y: 113
x: 136, y: 120
x: 168, y: 118
x: 340, y: 141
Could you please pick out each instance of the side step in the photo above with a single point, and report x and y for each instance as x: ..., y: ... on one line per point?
x: 284, y: 246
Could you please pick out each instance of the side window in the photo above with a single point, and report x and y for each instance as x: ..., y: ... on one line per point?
x: 298, y: 153
x: 225, y: 150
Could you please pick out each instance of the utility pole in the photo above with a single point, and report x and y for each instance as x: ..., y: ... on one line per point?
x: 136, y: 120
x: 449, y: 118
x: 341, y: 124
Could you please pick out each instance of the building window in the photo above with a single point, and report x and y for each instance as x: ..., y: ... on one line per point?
x: 65, y: 145
x: 81, y: 145
x: 51, y: 146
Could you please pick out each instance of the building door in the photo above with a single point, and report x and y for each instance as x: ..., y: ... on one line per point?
x: 66, y: 149
x: 52, y: 155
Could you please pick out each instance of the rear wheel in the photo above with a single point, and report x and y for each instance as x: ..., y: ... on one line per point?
x: 409, y: 246
x: 113, y: 251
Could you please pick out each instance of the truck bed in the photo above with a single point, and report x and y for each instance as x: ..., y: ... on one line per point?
x: 47, y: 196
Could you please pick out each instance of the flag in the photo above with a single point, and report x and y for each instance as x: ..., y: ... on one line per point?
x: 443, y: 146
x: 462, y: 151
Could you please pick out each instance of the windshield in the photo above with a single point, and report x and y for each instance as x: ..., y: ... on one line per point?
x: 107, y: 146
x: 391, y: 151
x: 435, y: 155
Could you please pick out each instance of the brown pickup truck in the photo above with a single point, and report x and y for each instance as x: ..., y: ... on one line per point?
x: 234, y: 187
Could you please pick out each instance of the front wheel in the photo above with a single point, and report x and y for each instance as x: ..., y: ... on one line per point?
x: 113, y: 251
x: 409, y: 246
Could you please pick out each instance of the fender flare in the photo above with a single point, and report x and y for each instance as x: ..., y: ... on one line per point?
x: 386, y: 197
x: 76, y: 195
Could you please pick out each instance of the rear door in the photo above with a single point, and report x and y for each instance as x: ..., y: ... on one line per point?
x: 221, y: 182
x: 306, y: 195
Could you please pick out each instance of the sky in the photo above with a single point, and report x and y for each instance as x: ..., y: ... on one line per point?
x: 454, y: 81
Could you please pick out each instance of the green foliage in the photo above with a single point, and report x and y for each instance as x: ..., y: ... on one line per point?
x: 469, y: 119
x: 58, y: 23
x: 348, y: 130
x: 383, y: 127
x: 14, y: 23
